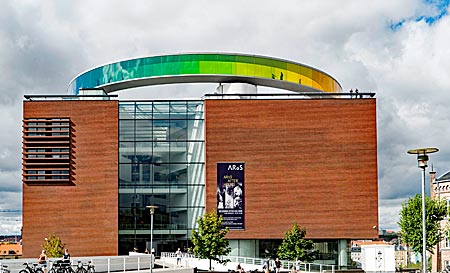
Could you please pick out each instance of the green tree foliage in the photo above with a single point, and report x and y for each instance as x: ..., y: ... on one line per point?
x: 53, y: 246
x: 294, y: 245
x: 411, y: 222
x: 209, y: 241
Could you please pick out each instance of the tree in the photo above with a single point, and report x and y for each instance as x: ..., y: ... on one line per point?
x: 411, y: 222
x: 53, y: 246
x: 294, y: 246
x: 209, y: 241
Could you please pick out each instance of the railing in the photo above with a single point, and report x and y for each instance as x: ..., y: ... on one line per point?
x: 248, y: 263
x: 297, y: 95
x: 107, y: 264
x: 140, y: 262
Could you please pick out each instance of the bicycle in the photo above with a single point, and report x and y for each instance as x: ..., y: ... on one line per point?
x: 4, y: 269
x: 61, y: 266
x: 29, y: 269
x: 80, y: 268
x: 90, y: 267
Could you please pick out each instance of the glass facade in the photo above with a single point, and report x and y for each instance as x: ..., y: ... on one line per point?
x: 161, y: 163
x: 326, y: 251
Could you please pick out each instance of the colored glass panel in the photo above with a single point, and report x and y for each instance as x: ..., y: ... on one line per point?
x: 232, y: 65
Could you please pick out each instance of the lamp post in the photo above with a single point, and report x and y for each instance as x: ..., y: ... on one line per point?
x: 422, y: 160
x: 152, y: 212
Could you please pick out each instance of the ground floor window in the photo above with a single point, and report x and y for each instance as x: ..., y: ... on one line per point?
x: 161, y: 243
x: 326, y: 251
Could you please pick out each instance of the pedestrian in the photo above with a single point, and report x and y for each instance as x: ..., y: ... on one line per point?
x: 293, y: 269
x: 179, y: 255
x: 269, y: 266
x: 272, y: 265
x: 42, y: 260
x: 239, y: 268
x: 66, y: 256
x: 297, y: 265
x: 266, y: 266
x: 277, y: 265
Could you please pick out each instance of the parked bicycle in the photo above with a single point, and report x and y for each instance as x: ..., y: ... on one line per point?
x: 31, y: 269
x: 85, y: 268
x: 80, y: 268
x: 4, y: 269
x: 90, y: 267
x: 61, y: 266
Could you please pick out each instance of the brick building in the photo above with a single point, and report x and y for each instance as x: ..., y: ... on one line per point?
x: 440, y: 188
x: 92, y: 163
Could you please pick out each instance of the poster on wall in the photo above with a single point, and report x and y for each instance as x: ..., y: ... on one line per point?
x: 230, y: 194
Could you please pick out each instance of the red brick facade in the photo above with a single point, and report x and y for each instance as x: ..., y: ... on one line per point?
x: 83, y: 214
x: 313, y: 162
x: 309, y: 161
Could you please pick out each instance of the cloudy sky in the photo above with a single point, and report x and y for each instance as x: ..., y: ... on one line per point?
x: 398, y: 49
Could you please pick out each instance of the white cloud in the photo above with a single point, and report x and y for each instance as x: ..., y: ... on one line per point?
x: 44, y: 45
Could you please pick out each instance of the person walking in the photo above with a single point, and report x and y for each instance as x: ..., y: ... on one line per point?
x: 297, y: 265
x: 266, y: 266
x: 269, y: 266
x: 277, y: 265
x: 42, y: 260
x: 179, y: 255
x: 272, y: 265
x: 239, y: 268
x: 66, y: 256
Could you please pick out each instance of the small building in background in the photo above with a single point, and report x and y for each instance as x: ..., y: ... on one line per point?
x: 378, y: 258
x: 401, y: 256
x: 440, y: 188
x: 401, y: 252
x: 10, y: 250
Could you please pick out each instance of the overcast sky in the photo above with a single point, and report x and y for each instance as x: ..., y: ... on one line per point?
x: 398, y: 49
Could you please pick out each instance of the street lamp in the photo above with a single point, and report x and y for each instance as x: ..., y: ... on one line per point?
x: 152, y: 212
x: 422, y: 160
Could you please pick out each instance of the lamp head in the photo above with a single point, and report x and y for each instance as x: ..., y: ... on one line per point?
x: 422, y: 155
x: 152, y: 209
x: 422, y: 161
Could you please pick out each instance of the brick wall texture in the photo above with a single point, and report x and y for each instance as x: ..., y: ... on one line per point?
x: 83, y: 215
x: 313, y: 162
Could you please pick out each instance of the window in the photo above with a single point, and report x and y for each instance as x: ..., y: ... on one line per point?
x: 448, y: 207
x: 46, y: 146
x: 447, y: 263
x: 446, y: 242
x: 161, y: 156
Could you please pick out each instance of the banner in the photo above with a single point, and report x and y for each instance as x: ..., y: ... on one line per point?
x: 230, y: 194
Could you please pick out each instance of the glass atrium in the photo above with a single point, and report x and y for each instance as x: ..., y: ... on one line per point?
x: 161, y: 163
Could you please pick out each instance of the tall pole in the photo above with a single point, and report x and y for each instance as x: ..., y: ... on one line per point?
x: 424, y: 226
x: 152, y: 212
x: 422, y: 161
